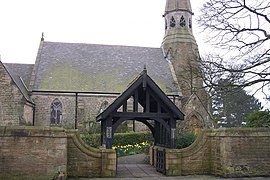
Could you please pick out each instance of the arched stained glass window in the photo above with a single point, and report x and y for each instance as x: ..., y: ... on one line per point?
x: 172, y: 22
x: 182, y: 21
x: 56, y: 112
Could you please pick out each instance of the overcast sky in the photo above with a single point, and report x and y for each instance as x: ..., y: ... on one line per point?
x: 116, y: 22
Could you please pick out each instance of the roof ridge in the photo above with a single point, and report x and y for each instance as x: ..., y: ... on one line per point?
x: 118, y: 45
x: 19, y: 63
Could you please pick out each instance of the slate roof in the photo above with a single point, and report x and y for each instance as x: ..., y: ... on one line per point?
x: 98, y: 68
x: 20, y: 74
x: 23, y: 70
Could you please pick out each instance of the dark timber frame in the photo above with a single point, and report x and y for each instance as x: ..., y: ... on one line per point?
x: 159, y: 113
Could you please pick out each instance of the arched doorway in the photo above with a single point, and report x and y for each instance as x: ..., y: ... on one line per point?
x: 194, y: 122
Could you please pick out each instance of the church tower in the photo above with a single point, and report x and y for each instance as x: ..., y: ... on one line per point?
x: 180, y: 48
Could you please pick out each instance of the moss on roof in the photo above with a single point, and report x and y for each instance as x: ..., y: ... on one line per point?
x: 100, y: 68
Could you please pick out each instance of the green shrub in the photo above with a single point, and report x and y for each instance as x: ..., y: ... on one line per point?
x: 131, y: 138
x: 258, y: 119
x: 119, y: 139
x: 185, y: 139
x: 92, y: 140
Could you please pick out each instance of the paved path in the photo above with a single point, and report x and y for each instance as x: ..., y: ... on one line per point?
x: 134, y: 167
x: 137, y: 171
x: 133, y: 159
x: 147, y: 172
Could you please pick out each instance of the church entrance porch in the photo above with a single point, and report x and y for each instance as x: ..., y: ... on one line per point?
x: 156, y: 111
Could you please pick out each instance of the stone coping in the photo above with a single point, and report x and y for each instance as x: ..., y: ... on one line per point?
x: 53, y: 132
x: 244, y: 132
x: 80, y: 144
x: 32, y: 131
x: 201, y: 139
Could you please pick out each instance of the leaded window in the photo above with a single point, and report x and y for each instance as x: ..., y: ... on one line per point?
x: 182, y: 21
x: 56, y: 112
x: 172, y: 22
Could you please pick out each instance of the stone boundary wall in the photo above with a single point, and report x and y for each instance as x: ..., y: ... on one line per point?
x: 222, y: 152
x: 32, y: 153
x: 41, y: 153
x: 240, y: 152
x: 86, y: 161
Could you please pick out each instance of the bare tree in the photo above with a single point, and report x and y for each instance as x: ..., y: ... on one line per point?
x: 241, y: 29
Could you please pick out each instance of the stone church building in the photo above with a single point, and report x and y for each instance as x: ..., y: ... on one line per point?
x: 71, y: 83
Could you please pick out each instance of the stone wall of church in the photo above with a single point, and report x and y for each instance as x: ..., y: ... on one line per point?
x: 196, y: 117
x: 185, y: 59
x: 43, y: 109
x: 88, y: 108
x: 28, y: 114
x: 11, y: 100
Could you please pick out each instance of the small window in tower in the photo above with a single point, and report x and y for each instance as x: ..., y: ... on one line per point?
x: 166, y: 25
x: 182, y: 21
x: 190, y: 23
x: 172, y: 22
x: 56, y: 112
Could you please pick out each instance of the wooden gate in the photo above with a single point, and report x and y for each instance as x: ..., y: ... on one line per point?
x: 161, y: 161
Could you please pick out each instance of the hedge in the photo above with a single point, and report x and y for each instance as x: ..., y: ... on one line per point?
x: 121, y: 139
x: 130, y: 138
x: 185, y: 139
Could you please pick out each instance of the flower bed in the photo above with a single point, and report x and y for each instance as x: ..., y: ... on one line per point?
x: 131, y: 149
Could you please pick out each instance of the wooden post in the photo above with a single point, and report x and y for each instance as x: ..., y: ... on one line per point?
x: 125, y: 106
x: 147, y: 102
x: 109, y: 133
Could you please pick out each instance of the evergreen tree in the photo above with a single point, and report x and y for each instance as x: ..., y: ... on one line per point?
x: 231, y: 104
x: 258, y: 119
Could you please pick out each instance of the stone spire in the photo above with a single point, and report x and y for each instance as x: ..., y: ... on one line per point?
x: 178, y: 5
x: 179, y: 44
x: 180, y: 48
x: 178, y: 22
